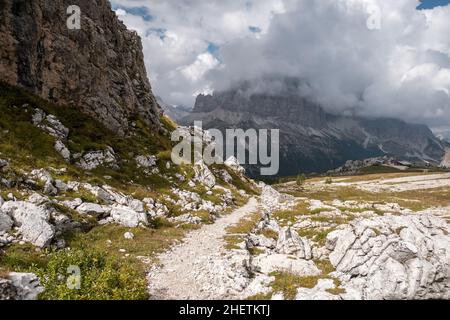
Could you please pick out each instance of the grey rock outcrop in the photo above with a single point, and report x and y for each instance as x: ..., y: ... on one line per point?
x: 6, y: 222
x: 128, y: 217
x: 20, y: 286
x: 94, y: 159
x: 98, y: 69
x: 393, y: 257
x: 289, y: 242
x: 32, y: 221
x: 203, y: 175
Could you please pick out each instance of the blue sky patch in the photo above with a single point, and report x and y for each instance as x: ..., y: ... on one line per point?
x: 430, y: 4
x: 254, y: 29
x: 137, y: 11
x: 161, y: 32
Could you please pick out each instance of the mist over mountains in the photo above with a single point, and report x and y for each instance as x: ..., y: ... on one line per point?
x: 312, y: 139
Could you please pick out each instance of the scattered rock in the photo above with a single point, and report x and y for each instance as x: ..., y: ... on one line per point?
x: 128, y: 235
x: 128, y: 217
x: 290, y: 243
x: 61, y: 148
x: 93, y: 209
x: 32, y: 221
x: 233, y: 164
x: 145, y: 161
x: 50, y: 124
x: 94, y: 159
x: 203, y: 175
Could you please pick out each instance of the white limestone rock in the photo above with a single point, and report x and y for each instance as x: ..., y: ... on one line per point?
x: 319, y: 292
x: 32, y: 221
x: 203, y: 175
x: 128, y: 217
x: 94, y: 159
x: 61, y: 148
x: 27, y: 286
x: 128, y: 235
x: 233, y: 164
x: 280, y: 262
x: 50, y: 124
x: 393, y: 257
x: 93, y: 209
x: 145, y: 161
x: 290, y: 243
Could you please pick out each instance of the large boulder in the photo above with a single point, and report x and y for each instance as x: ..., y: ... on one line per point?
x: 50, y: 124
x: 393, y: 257
x: 203, y: 175
x: 289, y: 242
x: 94, y: 159
x: 267, y: 264
x: 20, y: 286
x: 128, y: 217
x: 234, y: 165
x: 93, y: 209
x: 32, y: 220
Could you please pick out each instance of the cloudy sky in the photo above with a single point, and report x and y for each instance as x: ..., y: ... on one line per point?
x: 366, y: 57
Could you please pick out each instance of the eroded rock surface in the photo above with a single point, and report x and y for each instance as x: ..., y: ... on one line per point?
x: 393, y: 257
x: 99, y: 68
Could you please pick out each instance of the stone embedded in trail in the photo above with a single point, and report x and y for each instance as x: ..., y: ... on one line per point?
x: 32, y: 220
x: 393, y: 257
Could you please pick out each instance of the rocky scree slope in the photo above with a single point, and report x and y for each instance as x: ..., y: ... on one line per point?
x: 72, y: 192
x: 98, y: 69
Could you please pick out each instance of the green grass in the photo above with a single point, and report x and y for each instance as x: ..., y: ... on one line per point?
x: 106, y: 272
x: 236, y: 233
x: 288, y: 284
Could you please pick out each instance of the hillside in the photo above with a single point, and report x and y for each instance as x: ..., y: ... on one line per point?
x: 67, y: 182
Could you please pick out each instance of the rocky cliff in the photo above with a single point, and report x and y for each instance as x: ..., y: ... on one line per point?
x: 312, y: 140
x: 99, y: 68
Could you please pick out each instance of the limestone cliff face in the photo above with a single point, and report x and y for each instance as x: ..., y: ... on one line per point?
x: 99, y: 69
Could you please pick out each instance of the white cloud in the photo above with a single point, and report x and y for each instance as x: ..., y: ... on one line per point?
x: 401, y: 70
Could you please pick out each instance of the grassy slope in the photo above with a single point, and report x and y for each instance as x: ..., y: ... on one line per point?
x: 106, y: 272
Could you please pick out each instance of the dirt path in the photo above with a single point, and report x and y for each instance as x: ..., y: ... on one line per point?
x: 200, y: 267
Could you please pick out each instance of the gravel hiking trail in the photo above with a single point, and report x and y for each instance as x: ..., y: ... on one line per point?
x: 201, y: 267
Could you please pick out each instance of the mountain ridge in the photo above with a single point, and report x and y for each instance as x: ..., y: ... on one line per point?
x: 312, y: 139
